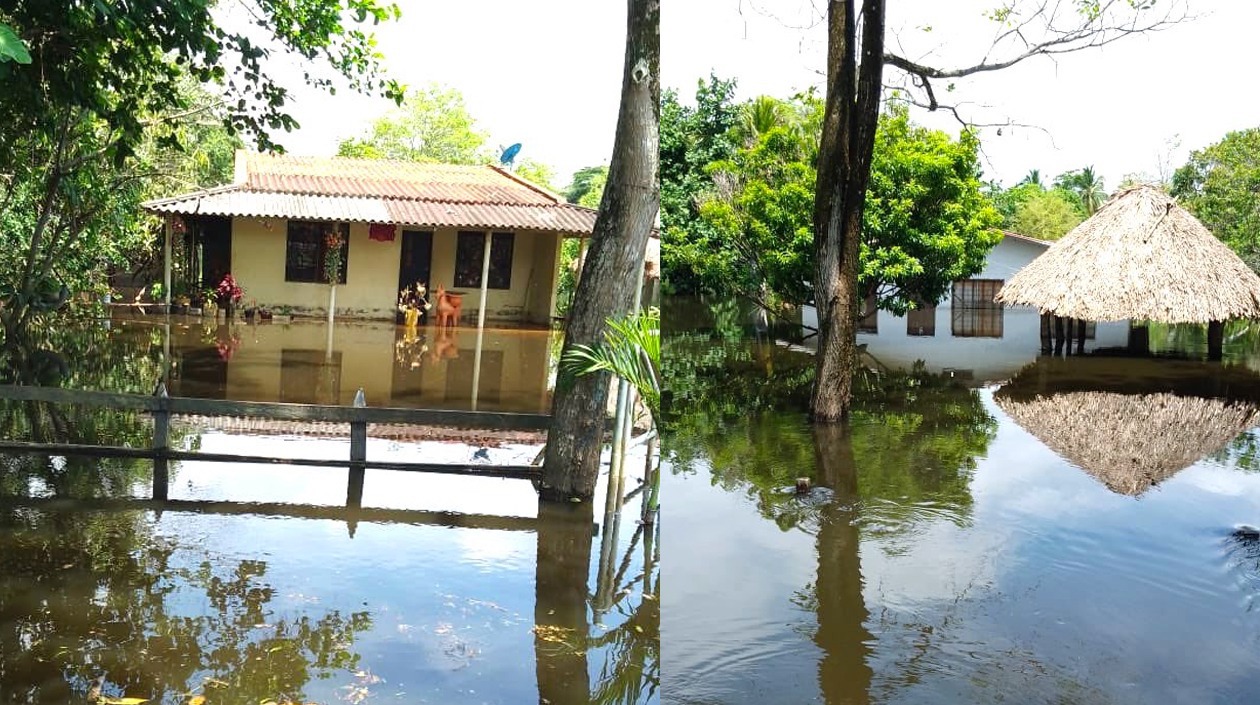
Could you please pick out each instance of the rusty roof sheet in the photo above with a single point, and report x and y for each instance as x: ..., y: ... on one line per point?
x: 233, y: 201
x: 382, y: 191
x: 342, y: 176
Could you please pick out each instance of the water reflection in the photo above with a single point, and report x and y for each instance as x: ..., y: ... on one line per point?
x: 304, y: 361
x: 945, y: 554
x: 1132, y: 423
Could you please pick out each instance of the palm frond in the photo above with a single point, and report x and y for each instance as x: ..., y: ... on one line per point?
x: 631, y: 350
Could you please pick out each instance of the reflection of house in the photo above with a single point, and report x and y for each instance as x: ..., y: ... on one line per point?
x: 298, y: 363
x: 967, y: 332
x: 402, y: 222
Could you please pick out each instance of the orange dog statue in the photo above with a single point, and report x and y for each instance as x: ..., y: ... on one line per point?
x: 447, y: 308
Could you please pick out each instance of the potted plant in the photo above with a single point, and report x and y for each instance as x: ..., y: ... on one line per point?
x: 227, y: 294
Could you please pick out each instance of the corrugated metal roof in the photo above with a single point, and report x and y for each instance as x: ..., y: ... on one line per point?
x: 234, y: 202
x: 342, y: 176
x: 382, y: 191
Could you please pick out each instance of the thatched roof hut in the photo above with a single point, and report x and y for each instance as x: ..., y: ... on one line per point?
x: 1131, y: 442
x: 1140, y: 257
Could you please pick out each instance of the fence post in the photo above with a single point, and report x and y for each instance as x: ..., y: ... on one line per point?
x: 161, y: 443
x: 358, y: 454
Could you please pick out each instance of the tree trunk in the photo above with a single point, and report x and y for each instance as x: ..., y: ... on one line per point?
x: 844, y: 168
x: 613, y: 266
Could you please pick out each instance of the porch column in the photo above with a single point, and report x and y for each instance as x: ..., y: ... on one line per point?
x: 485, y: 281
x: 166, y: 265
x: 481, y: 318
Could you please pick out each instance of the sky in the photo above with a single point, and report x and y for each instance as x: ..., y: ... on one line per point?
x: 1125, y: 108
x: 548, y: 74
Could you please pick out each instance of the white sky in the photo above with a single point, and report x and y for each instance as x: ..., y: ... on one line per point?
x: 548, y: 74
x: 1114, y: 108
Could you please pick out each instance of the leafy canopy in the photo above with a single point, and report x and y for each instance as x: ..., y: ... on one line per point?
x: 432, y: 125
x: 1220, y: 185
x: 926, y: 222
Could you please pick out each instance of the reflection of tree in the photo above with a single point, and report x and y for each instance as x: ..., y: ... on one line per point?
x: 631, y: 670
x: 90, y: 596
x: 626, y: 635
x: 912, y: 442
x: 80, y: 357
x: 915, y: 436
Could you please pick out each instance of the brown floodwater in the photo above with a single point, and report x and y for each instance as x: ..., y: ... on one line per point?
x: 255, y: 584
x: 1077, y: 533
x: 299, y: 361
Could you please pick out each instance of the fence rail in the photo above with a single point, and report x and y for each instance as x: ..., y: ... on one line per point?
x: 161, y: 407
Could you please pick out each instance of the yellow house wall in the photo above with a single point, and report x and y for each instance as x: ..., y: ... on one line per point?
x: 258, y: 263
x: 535, y: 255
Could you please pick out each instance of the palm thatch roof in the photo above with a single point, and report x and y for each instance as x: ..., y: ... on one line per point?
x: 1131, y: 442
x: 1141, y: 257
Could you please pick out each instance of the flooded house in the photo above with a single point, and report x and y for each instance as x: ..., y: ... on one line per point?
x: 393, y: 223
x: 967, y: 333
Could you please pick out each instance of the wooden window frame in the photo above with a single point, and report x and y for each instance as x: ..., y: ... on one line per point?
x: 869, y: 322
x: 921, y: 321
x: 973, y: 312
x: 469, y: 253
x: 311, y: 234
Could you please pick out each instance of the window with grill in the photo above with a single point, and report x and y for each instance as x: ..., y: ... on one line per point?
x: 307, y: 251
x: 469, y: 253
x: 974, y: 313
x: 869, y: 320
x: 921, y: 320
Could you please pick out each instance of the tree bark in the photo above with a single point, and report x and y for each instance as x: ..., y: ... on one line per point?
x: 844, y: 167
x: 613, y: 265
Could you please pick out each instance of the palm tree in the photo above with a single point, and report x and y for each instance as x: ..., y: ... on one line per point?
x: 758, y: 116
x: 631, y: 350
x: 1090, y: 188
x: 1033, y: 177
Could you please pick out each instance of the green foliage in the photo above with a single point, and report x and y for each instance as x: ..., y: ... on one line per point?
x: 738, y: 407
x: 194, y: 150
x: 432, y: 125
x: 12, y: 48
x: 536, y: 173
x: 631, y: 350
x: 587, y: 186
x: 1220, y: 185
x: 926, y: 221
x: 1046, y: 215
x: 107, y: 77
x: 692, y: 137
x: 1085, y: 185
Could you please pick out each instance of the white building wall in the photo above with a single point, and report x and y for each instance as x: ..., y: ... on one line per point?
x: 982, y: 359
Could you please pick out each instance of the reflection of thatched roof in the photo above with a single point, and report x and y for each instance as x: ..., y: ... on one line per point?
x: 1131, y: 441
x: 1141, y: 256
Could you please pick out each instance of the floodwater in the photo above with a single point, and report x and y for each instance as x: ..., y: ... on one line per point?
x: 300, y: 361
x: 256, y: 584
x: 1078, y: 533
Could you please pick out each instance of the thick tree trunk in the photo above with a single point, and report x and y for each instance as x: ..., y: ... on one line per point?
x: 844, y: 168
x: 613, y: 266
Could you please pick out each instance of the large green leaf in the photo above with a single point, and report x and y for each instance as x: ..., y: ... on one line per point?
x: 11, y: 46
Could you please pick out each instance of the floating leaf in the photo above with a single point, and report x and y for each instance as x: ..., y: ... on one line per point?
x: 197, y: 700
x: 124, y: 701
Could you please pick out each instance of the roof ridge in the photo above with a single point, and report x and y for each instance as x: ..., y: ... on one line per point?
x: 212, y: 191
x: 529, y: 184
